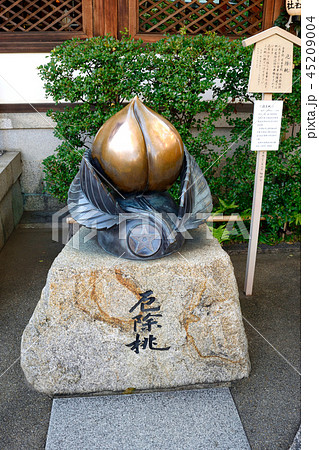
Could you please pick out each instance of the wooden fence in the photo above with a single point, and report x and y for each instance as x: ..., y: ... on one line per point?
x: 39, y: 25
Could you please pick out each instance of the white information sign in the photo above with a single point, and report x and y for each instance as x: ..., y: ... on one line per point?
x: 266, y: 125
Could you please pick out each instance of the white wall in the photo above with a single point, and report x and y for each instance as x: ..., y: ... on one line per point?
x: 19, y: 78
x: 29, y: 133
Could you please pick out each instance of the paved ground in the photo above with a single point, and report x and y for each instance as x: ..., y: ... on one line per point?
x: 24, y: 263
x: 268, y: 401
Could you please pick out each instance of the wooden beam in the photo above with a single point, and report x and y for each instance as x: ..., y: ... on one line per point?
x: 32, y: 107
x: 43, y: 107
x: 233, y: 218
x: 37, y: 42
x: 210, y: 219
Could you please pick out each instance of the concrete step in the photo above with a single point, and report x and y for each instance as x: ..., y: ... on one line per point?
x: 11, y: 201
x: 189, y: 419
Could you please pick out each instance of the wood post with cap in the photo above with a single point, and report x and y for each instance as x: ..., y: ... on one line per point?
x: 271, y: 72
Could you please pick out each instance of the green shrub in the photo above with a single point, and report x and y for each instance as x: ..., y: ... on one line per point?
x: 171, y: 76
x: 282, y: 189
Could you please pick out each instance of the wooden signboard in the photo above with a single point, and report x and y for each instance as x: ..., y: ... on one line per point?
x: 272, y: 61
x: 271, y: 71
x: 271, y: 67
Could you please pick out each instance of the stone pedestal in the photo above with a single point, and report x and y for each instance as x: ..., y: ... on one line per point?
x: 108, y: 324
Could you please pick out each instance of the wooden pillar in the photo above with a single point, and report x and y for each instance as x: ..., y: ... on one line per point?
x: 271, y: 11
x: 105, y: 17
x: 277, y: 8
x: 87, y: 17
x: 122, y: 16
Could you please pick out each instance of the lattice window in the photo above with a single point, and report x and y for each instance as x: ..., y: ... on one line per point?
x: 40, y: 15
x: 227, y: 17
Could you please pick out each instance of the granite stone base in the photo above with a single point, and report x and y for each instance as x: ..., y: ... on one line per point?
x: 108, y: 324
x: 182, y: 420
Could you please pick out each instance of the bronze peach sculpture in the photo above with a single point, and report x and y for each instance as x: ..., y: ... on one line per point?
x: 121, y: 187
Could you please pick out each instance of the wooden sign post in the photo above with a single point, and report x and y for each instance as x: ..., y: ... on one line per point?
x: 270, y: 72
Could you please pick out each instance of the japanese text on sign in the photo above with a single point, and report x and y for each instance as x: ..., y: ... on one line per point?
x: 293, y: 7
x: 272, y: 63
x: 266, y: 125
x: 291, y: 4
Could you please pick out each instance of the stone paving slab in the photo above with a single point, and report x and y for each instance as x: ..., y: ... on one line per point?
x: 193, y: 419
